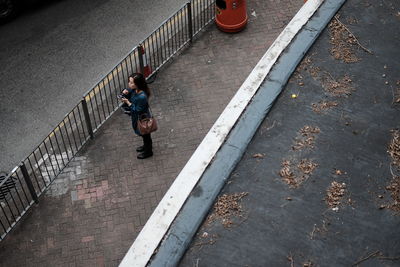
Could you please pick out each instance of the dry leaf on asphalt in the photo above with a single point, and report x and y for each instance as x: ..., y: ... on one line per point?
x: 394, y: 189
x: 323, y: 106
x: 334, y: 195
x: 295, y: 177
x: 306, y: 138
x: 226, y: 207
x: 258, y: 156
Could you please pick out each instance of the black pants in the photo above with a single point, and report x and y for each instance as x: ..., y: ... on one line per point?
x: 147, y: 143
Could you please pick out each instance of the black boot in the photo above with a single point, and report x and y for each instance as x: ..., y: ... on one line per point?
x: 140, y: 149
x: 147, y: 147
x: 145, y: 155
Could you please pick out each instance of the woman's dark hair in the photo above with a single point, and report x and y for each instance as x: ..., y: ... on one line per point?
x: 140, y: 83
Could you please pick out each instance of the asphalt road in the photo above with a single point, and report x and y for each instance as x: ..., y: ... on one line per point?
x: 55, y: 52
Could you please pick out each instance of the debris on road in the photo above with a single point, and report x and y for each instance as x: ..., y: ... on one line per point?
x: 259, y: 156
x: 294, y: 178
x: 338, y: 172
x: 323, y: 106
x: 307, y: 137
x: 343, y: 42
x: 226, y: 207
x: 394, y: 148
x: 338, y: 88
x: 394, y: 189
x: 334, y: 195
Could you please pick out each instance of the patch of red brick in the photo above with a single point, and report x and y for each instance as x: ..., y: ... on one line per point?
x: 93, y: 193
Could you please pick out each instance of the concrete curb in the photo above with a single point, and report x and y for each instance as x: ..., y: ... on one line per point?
x: 174, y: 199
x: 202, y: 197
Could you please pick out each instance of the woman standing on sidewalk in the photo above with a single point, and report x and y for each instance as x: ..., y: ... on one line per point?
x: 139, y: 106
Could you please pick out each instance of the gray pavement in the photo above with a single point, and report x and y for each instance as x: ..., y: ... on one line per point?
x: 287, y: 220
x: 94, y: 210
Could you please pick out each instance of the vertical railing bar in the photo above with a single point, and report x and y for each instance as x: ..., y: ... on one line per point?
x: 169, y: 38
x: 141, y: 62
x: 186, y: 23
x: 105, y: 93
x: 123, y: 76
x: 87, y: 117
x: 2, y: 225
x: 127, y: 70
x: 147, y: 47
x: 119, y: 81
x: 9, y: 208
x: 136, y: 56
x: 190, y: 22
x: 161, y: 38
x: 201, y: 3
x: 40, y: 171
x: 193, y: 16
x: 93, y: 112
x: 133, y: 62
x: 159, y: 47
x: 165, y: 40
x: 196, y: 15
x: 111, y: 94
x: 97, y: 107
x: 34, y: 173
x: 162, y: 44
x: 45, y: 165
x: 154, y: 53
x: 115, y: 86
x: 130, y: 61
x: 47, y: 151
x: 5, y: 215
x: 73, y: 135
x: 80, y: 118
x: 181, y: 25
x: 14, y: 202
x: 210, y: 9
x: 179, y: 28
x: 28, y: 182
x: 69, y: 139
x: 175, y: 33
x: 55, y: 156
x: 23, y: 190
x: 101, y: 102
x: 59, y: 148
x: 77, y: 128
x: 205, y: 12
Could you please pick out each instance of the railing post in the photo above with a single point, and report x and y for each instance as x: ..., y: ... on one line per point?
x: 189, y: 18
x: 141, y: 63
x: 87, y: 117
x: 28, y: 182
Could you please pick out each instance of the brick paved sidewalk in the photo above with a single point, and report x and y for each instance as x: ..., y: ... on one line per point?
x: 92, y: 213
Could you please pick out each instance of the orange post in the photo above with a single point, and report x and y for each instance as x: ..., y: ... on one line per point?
x: 146, y: 67
x: 231, y: 15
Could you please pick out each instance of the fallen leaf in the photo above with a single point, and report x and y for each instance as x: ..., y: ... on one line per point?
x: 258, y: 156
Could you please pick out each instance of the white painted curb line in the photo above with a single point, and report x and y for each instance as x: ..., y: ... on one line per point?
x: 154, y: 230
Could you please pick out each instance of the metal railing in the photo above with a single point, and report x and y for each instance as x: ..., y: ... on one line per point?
x: 21, y: 188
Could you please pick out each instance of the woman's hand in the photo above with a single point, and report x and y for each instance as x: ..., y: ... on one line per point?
x: 126, y: 101
x: 125, y: 92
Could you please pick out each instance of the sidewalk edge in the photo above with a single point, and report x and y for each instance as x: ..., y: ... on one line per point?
x: 198, y: 204
x: 159, y: 222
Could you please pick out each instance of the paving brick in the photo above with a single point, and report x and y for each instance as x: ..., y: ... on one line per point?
x: 106, y: 195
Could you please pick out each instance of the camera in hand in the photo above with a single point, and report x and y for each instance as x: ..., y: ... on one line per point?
x: 120, y: 96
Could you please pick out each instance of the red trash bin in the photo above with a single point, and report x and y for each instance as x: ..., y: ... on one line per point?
x: 231, y: 15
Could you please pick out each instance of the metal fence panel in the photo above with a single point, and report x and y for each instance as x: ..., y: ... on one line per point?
x: 21, y: 188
